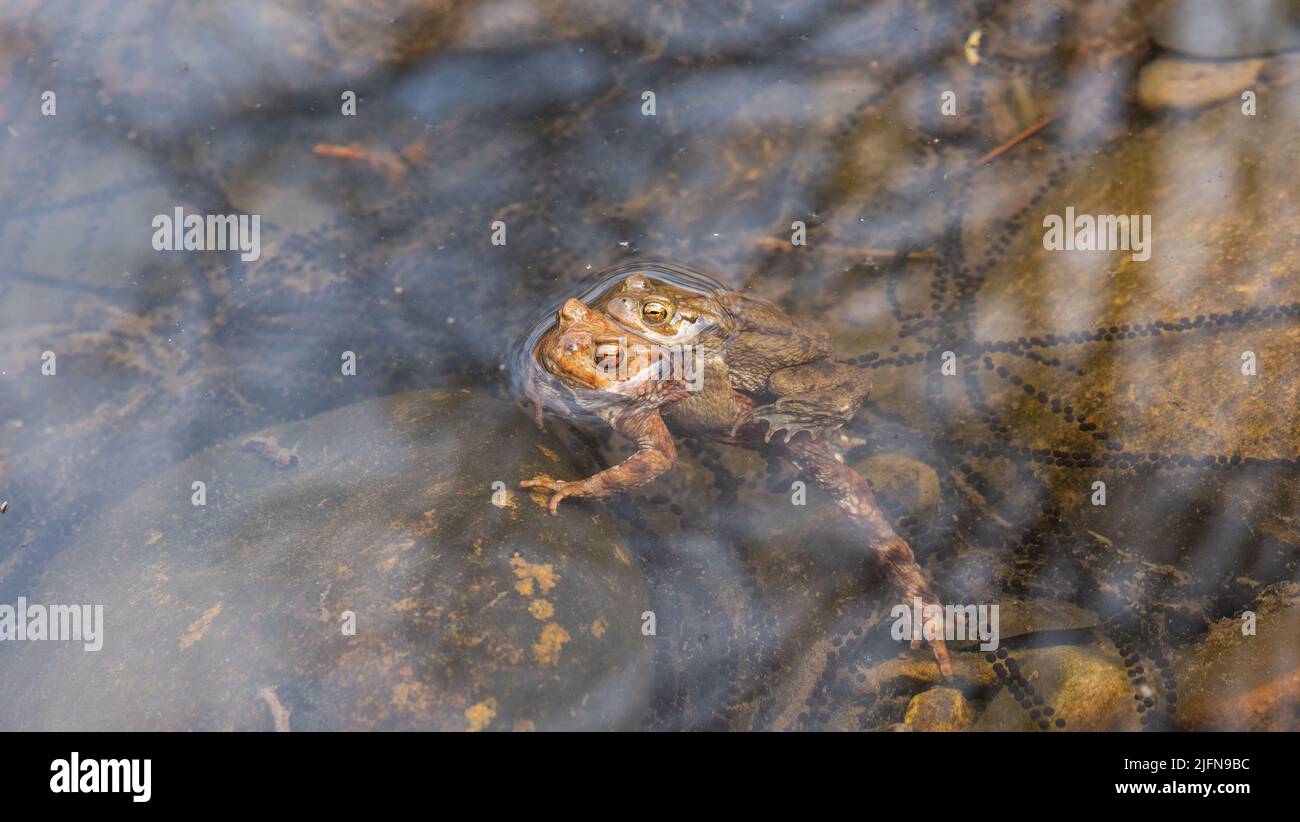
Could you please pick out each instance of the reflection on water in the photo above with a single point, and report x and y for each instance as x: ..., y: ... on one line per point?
x: 1172, y: 380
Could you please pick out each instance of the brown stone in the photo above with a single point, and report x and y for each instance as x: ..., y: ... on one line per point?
x: 904, y: 481
x: 940, y: 709
x: 1084, y: 686
x: 1174, y: 82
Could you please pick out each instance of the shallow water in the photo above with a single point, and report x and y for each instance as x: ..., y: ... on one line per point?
x: 1071, y: 367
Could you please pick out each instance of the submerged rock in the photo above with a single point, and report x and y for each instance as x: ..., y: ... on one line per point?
x: 1231, y: 681
x: 472, y: 611
x: 940, y: 709
x: 1042, y: 620
x: 1083, y: 687
x: 904, y: 483
x: 1227, y: 28
x: 1174, y: 82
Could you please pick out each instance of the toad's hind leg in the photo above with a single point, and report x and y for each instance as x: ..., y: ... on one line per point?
x: 854, y: 496
x: 812, y: 397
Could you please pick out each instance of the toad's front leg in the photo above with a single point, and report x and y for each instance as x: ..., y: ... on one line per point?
x: 655, y: 454
x: 854, y: 496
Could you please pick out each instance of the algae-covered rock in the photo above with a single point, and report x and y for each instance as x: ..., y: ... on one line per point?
x: 1244, y: 682
x: 1085, y: 688
x: 940, y: 709
x: 473, y: 608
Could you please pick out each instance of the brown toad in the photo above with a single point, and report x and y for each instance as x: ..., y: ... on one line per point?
x: 643, y: 388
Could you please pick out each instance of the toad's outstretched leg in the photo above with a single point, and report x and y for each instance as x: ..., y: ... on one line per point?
x: 655, y: 454
x: 852, y: 493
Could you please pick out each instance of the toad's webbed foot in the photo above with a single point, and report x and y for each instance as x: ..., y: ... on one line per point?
x: 560, y: 489
x: 788, y: 415
x: 813, y: 397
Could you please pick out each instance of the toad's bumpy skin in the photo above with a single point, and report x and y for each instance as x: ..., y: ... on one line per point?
x: 750, y: 351
x: 767, y: 355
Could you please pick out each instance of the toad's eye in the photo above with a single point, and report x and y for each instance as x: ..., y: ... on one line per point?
x: 654, y: 312
x: 608, y: 354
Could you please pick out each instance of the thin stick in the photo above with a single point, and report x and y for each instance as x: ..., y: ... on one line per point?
x: 1018, y: 139
x: 784, y: 246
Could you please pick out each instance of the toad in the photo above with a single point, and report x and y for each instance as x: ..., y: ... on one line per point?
x: 587, y: 362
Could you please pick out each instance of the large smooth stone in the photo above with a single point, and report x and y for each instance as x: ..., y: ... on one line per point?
x: 469, y: 615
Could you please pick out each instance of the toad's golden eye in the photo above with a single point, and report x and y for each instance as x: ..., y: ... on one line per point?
x: 655, y: 312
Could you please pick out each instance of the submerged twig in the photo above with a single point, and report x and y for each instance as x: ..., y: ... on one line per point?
x: 1018, y: 139
x: 784, y: 246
